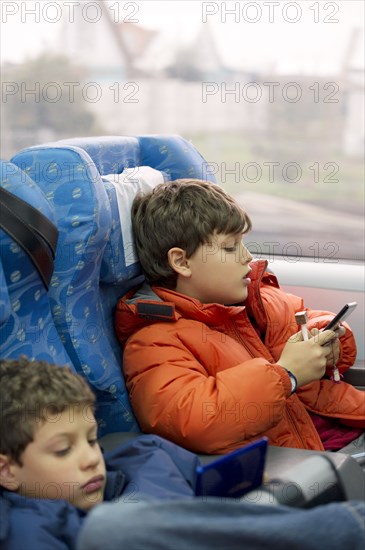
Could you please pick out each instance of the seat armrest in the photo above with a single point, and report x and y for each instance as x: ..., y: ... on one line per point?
x: 349, y: 474
x: 309, y: 483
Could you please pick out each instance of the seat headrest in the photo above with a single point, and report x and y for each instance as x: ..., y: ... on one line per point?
x: 120, y: 260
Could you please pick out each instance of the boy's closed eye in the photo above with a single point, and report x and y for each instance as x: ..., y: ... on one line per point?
x: 66, y: 450
x: 230, y: 248
x: 231, y: 245
x: 62, y: 452
x: 68, y: 446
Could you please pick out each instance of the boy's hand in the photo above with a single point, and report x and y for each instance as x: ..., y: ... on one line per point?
x: 308, y: 360
x: 334, y: 345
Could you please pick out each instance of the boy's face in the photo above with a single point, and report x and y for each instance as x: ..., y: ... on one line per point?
x: 219, y: 271
x: 64, y: 461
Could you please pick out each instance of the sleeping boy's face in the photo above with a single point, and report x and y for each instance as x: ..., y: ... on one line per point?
x: 64, y: 461
x: 219, y: 271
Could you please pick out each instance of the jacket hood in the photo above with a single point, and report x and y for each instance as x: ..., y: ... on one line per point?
x: 147, y: 304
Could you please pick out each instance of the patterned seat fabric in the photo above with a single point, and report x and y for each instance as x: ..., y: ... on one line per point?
x: 26, y: 322
x: 91, y: 266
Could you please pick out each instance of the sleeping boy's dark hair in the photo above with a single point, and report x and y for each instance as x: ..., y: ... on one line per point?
x: 185, y: 213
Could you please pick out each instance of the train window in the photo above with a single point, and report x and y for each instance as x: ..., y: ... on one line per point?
x: 271, y: 93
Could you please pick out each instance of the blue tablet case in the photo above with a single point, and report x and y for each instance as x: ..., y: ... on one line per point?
x: 234, y: 474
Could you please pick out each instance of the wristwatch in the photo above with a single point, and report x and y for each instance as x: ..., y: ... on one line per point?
x: 293, y: 380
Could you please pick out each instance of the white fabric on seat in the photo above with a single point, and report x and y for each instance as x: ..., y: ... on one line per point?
x: 127, y: 184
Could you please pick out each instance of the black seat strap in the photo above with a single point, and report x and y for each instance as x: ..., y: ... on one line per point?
x: 33, y: 232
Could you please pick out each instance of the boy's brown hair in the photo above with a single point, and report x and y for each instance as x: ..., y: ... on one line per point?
x: 31, y: 390
x: 184, y: 213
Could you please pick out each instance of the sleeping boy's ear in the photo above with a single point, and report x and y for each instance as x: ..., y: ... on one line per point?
x: 8, y: 479
x: 178, y: 261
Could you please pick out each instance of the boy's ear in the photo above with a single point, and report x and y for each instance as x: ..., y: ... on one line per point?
x: 8, y: 479
x: 178, y: 261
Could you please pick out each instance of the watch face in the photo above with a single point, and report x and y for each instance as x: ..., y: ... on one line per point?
x: 293, y: 382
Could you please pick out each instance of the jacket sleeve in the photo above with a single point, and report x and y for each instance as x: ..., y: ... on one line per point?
x: 173, y: 395
x: 154, y: 467
x: 334, y: 400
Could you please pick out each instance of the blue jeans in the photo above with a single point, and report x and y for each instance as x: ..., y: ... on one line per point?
x: 219, y: 524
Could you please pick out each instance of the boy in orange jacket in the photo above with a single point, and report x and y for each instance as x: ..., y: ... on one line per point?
x: 213, y: 358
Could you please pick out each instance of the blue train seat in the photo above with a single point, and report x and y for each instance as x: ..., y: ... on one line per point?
x: 93, y: 267
x: 26, y: 322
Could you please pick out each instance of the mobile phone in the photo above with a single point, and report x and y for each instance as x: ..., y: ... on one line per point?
x: 341, y: 316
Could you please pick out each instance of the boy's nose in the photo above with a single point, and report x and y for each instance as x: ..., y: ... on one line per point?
x: 246, y: 257
x: 91, y: 456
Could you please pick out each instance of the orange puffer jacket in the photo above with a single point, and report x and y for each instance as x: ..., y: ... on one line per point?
x: 200, y: 375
